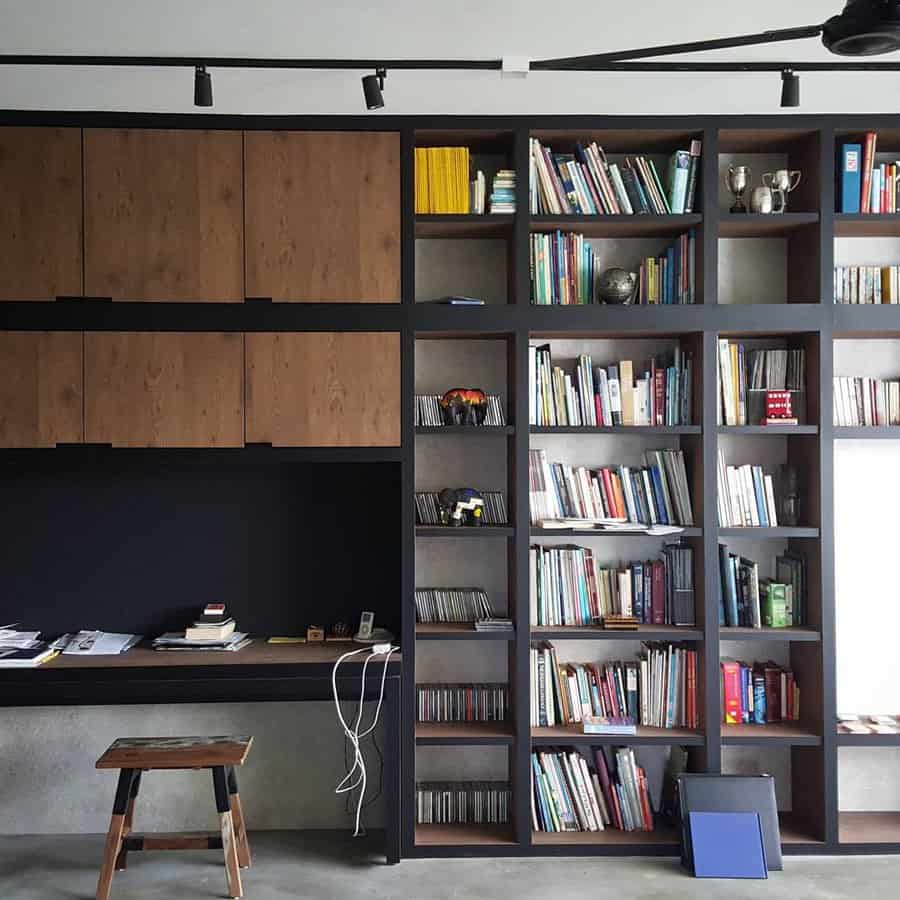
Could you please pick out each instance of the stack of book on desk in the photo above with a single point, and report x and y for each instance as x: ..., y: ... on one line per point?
x: 212, y: 631
x: 23, y: 649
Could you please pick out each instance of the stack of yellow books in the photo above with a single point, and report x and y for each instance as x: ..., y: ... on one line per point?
x: 442, y: 180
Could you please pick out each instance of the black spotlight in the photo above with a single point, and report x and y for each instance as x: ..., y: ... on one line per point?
x: 790, y: 88
x: 373, y: 85
x: 864, y: 28
x: 202, y: 87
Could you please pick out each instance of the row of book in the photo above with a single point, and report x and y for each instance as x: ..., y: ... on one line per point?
x: 462, y: 702
x: 586, y: 183
x: 606, y: 396
x: 655, y: 493
x: 570, y: 587
x: 671, y: 277
x: 430, y: 414
x: 567, y: 795
x: 867, y: 186
x: 745, y: 496
x: 866, y: 284
x: 445, y: 604
x: 564, y: 269
x: 462, y: 802
x: 742, y: 371
x: 748, y: 601
x: 658, y: 689
x: 866, y: 401
x: 428, y: 508
x: 442, y: 181
x: 758, y: 694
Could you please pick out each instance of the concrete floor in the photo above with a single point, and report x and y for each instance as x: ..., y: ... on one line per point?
x: 326, y: 866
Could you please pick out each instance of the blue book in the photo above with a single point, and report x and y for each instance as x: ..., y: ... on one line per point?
x: 851, y: 168
x: 727, y: 845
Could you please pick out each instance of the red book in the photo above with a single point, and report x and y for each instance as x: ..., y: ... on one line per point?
x: 731, y: 684
x: 646, y: 813
x: 609, y: 495
x: 865, y: 201
x: 621, y: 511
x: 598, y: 409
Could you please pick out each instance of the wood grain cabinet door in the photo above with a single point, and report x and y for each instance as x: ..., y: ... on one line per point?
x: 162, y: 215
x: 164, y: 389
x: 324, y: 389
x: 40, y: 213
x: 322, y: 213
x: 41, y: 394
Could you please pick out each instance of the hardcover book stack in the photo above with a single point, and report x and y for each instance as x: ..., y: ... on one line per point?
x: 586, y: 183
x: 867, y: 186
x: 607, y: 396
x: 213, y: 631
x: 430, y: 414
x: 462, y: 803
x: 758, y: 694
x: 445, y: 604
x: 659, y: 689
x: 742, y: 372
x: 568, y: 795
x: 748, y: 601
x: 746, y: 496
x: 503, y: 192
x: 866, y: 401
x: 656, y: 493
x: 867, y: 284
x: 462, y: 702
x: 570, y: 587
x: 428, y: 508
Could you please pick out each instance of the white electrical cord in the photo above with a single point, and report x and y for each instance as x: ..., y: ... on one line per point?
x: 354, y: 735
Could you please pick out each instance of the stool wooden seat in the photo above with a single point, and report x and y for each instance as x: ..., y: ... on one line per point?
x: 133, y: 756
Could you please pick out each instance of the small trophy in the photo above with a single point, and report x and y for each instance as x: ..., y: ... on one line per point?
x: 782, y: 182
x: 736, y: 180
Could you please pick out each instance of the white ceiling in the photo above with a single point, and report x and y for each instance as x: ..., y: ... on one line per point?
x: 415, y: 28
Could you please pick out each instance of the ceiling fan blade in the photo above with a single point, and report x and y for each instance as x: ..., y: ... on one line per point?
x: 586, y: 63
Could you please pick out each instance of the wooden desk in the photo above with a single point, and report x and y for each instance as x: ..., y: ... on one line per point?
x: 259, y: 673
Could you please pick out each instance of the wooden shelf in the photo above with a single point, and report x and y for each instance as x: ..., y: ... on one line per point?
x: 662, y: 834
x: 464, y: 226
x: 767, y: 533
x: 869, y: 827
x: 463, y: 835
x: 749, y: 225
x: 648, y: 430
x: 865, y: 225
x: 456, y: 631
x: 868, y: 740
x: 467, y: 431
x: 867, y: 432
x: 781, y: 733
x: 795, y: 830
x: 598, y: 532
x: 727, y: 633
x: 572, y: 734
x: 597, y: 633
x: 464, y: 733
x: 464, y: 531
x: 618, y: 226
x: 768, y: 429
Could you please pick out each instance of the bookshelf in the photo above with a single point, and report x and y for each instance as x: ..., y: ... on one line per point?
x: 758, y: 277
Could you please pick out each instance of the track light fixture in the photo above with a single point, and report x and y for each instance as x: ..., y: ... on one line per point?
x: 373, y: 85
x: 202, y: 87
x: 790, y: 88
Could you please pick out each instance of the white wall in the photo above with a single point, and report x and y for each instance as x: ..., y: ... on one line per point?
x: 417, y: 28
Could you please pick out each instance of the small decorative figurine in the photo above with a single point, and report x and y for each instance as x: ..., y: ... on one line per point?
x: 464, y: 406
x: 460, y: 507
x: 315, y: 634
x: 616, y: 286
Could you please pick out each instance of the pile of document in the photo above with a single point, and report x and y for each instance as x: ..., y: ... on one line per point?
x: 96, y: 643
x: 176, y: 640
x: 23, y: 649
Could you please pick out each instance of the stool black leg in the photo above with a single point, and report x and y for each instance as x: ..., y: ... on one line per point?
x: 223, y: 805
x: 122, y: 858
x: 240, y: 825
x: 114, y: 835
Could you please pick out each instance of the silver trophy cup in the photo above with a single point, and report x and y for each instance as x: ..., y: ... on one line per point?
x: 737, y: 179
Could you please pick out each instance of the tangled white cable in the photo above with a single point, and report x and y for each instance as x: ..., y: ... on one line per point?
x: 354, y: 735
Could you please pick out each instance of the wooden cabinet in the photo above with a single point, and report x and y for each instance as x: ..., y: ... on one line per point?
x: 164, y: 389
x: 324, y: 389
x: 322, y: 216
x: 162, y: 215
x: 40, y: 388
x: 40, y: 213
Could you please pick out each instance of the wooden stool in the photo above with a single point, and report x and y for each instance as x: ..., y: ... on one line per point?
x: 132, y: 756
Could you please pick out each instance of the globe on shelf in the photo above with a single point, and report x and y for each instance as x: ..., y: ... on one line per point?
x: 616, y: 286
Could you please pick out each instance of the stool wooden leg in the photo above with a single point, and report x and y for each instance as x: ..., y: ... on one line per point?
x: 122, y: 858
x: 114, y: 835
x: 240, y: 825
x: 229, y: 844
